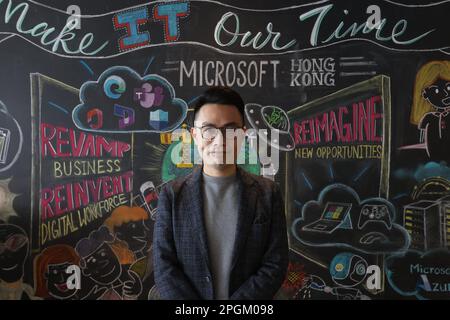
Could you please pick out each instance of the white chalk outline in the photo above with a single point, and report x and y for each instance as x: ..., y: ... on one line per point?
x: 165, y: 2
x: 217, y: 49
x: 228, y: 52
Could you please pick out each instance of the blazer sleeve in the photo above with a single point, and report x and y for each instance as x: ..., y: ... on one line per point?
x: 171, y: 282
x: 268, y: 279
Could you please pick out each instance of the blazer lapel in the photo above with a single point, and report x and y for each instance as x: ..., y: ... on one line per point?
x: 195, y: 204
x: 246, y: 213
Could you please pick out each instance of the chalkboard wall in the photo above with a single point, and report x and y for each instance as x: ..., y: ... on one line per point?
x: 96, y: 98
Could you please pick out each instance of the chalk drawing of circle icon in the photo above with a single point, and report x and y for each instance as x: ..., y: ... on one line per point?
x: 271, y: 119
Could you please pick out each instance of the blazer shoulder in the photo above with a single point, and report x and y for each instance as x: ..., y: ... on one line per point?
x: 177, y: 184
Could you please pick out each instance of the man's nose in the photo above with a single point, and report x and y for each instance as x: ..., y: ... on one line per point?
x: 219, y: 139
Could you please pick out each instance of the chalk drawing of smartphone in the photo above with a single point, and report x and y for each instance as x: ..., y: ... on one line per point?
x: 148, y: 192
x: 4, y: 144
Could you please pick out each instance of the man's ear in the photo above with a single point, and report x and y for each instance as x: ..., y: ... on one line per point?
x: 83, y: 268
x: 194, y: 135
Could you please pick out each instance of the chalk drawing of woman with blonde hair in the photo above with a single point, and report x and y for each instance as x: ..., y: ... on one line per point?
x: 431, y: 108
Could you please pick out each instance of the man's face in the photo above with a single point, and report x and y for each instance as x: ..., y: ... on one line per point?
x: 214, y: 145
x: 134, y: 233
x: 102, y: 265
x: 13, y: 252
x: 57, y: 281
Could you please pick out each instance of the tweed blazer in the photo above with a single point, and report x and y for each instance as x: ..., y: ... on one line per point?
x: 181, y: 260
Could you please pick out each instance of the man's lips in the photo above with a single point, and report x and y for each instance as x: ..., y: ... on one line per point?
x: 9, y: 268
x: 223, y: 150
x: 139, y: 239
x: 105, y: 272
x: 61, y: 287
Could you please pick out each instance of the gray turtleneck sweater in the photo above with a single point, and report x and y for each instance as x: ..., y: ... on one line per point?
x: 220, y: 209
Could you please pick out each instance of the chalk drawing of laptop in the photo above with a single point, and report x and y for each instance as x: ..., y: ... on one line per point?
x: 332, y: 216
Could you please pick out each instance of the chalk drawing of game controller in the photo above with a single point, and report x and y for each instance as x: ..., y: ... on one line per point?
x: 376, y: 214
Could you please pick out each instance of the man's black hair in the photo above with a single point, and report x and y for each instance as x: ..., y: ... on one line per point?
x: 220, y: 95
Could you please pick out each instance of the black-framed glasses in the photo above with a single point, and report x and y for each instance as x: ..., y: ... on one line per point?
x: 210, y: 132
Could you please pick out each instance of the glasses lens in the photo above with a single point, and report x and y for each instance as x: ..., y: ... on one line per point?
x: 209, y: 133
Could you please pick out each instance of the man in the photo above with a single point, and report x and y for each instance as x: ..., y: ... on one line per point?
x: 220, y: 232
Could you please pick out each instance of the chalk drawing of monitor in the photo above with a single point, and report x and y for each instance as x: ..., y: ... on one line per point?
x: 332, y: 217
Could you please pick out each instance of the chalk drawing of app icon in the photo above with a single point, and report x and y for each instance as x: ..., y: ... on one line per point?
x: 4, y: 144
